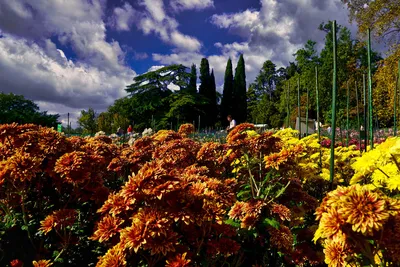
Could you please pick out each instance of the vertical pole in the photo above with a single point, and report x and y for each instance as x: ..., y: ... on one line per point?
x: 334, y: 93
x: 371, y: 123
x: 308, y: 92
x: 289, y: 104
x: 199, y: 123
x: 318, y: 122
x: 347, y: 115
x: 395, y: 102
x: 358, y: 117
x: 68, y: 129
x: 365, y: 113
x: 298, y: 105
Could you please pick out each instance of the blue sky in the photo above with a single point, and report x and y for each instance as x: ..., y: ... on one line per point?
x: 69, y: 55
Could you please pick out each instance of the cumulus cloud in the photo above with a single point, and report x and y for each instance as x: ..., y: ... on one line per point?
x: 273, y: 32
x: 26, y: 69
x: 31, y: 63
x: 123, y: 17
x: 153, y: 19
x: 180, y: 5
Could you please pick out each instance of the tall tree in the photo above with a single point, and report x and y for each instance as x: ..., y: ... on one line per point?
x: 87, y: 120
x: 213, y: 99
x: 226, y: 102
x: 204, y: 77
x: 149, y: 94
x: 192, y: 87
x: 207, y: 90
x: 382, y: 16
x: 239, y: 92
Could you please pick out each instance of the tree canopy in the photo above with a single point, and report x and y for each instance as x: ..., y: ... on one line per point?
x: 16, y: 108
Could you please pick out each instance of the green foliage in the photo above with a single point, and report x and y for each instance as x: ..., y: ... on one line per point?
x: 239, y: 103
x: 16, y: 108
x: 87, y: 120
x: 226, y: 101
x: 208, y: 91
x: 192, y: 87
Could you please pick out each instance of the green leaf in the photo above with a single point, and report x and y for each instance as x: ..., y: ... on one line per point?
x: 232, y: 223
x: 282, y: 190
x: 241, y: 193
x: 24, y: 228
x: 271, y: 222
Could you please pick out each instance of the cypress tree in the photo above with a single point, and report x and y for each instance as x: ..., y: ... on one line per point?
x: 226, y: 102
x: 192, y: 88
x: 205, y: 90
x: 204, y: 77
x: 239, y: 104
x: 213, y: 100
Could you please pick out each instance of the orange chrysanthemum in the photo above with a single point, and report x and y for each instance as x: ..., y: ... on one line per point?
x: 365, y: 210
x: 186, y: 129
x: 106, y: 228
x: 330, y: 225
x: 282, y: 211
x: 23, y: 166
x: 336, y: 253
x: 237, y: 211
x: 178, y: 261
x: 149, y: 230
x: 42, y: 263
x: 115, y: 257
x: 115, y: 204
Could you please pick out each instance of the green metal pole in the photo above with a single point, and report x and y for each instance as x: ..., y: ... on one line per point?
x: 358, y: 117
x: 347, y: 115
x: 298, y: 105
x: 318, y: 122
x: 334, y: 93
x: 289, y: 103
x: 395, y: 102
x: 371, y: 123
x: 308, y: 92
x: 365, y: 113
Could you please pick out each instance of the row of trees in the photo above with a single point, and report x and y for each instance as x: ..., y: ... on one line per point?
x: 169, y: 96
x: 272, y: 97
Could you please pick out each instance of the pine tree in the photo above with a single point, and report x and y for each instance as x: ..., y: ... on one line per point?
x: 226, y: 102
x: 192, y: 87
x: 239, y: 105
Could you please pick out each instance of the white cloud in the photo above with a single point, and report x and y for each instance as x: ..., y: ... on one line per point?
x: 123, y: 17
x: 185, y: 42
x: 180, y: 5
x: 32, y: 65
x: 154, y: 20
x: 26, y: 69
x: 78, y: 23
x: 154, y: 68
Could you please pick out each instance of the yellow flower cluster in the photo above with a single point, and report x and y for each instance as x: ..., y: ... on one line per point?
x: 379, y: 167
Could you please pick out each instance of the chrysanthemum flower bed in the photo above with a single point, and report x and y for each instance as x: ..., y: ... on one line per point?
x: 260, y: 199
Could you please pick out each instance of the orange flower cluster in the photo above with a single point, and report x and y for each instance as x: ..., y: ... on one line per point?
x: 171, y: 208
x: 353, y: 218
x: 186, y: 129
x: 46, y: 179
